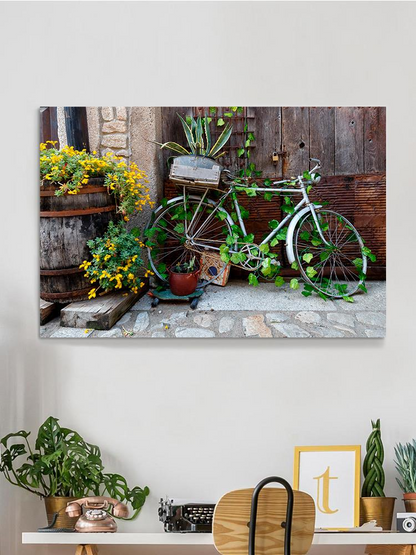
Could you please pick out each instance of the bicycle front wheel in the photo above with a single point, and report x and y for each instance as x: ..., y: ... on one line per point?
x: 184, y: 229
x: 337, y: 266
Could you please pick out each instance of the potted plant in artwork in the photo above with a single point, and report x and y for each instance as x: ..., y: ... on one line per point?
x: 60, y: 468
x: 183, y: 277
x: 374, y: 503
x: 406, y: 467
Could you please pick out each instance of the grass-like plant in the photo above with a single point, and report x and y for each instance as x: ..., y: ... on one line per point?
x: 374, y: 477
x: 406, y: 466
x: 198, y: 136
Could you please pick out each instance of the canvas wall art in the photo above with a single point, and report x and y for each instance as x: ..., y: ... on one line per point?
x: 203, y: 222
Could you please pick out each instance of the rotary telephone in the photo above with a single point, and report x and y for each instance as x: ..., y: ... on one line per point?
x: 97, y: 516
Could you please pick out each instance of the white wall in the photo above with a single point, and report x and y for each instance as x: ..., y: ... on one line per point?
x: 197, y: 418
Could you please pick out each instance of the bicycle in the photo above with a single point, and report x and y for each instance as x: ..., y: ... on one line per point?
x: 324, y: 245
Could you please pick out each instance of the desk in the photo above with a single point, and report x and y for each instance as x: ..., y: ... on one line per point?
x: 377, y: 543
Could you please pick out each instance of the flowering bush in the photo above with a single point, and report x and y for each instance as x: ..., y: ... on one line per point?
x: 71, y: 169
x: 116, y: 260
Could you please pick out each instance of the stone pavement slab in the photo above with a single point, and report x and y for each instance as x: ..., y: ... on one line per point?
x: 241, y: 311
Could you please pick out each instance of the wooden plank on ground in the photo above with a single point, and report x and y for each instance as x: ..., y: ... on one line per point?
x: 374, y: 140
x: 47, y: 311
x: 349, y: 140
x: 100, y: 313
x: 322, y: 138
x: 295, y: 139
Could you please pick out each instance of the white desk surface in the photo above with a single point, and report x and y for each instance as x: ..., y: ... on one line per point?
x: 124, y: 538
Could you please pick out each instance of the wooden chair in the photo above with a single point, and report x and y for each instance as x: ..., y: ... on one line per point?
x: 271, y: 521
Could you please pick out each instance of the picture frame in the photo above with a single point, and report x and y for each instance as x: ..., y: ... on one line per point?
x: 331, y: 475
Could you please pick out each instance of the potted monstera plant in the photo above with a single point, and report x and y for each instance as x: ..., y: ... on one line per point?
x: 406, y: 467
x: 62, y: 467
x: 374, y: 503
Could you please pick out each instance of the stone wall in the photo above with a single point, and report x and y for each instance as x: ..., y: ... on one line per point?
x: 129, y: 132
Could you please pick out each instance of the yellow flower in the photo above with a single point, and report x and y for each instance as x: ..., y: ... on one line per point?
x: 87, y: 331
x: 92, y: 294
x: 130, y: 276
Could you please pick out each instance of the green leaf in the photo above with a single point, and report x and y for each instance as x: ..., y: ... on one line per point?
x: 279, y: 281
x: 212, y: 110
x: 222, y: 139
x: 222, y: 215
x: 228, y: 114
x: 311, y: 272
x: 308, y: 189
x: 306, y: 293
x: 307, y: 175
x: 179, y: 228
x: 235, y: 258
x: 253, y: 280
x: 252, y: 138
x: 294, y: 265
x: 282, y: 234
x: 348, y: 299
x: 268, y: 196
x: 233, y: 108
x: 188, y: 133
x: 220, y: 122
x: 363, y: 287
x: 294, y: 284
x: 274, y: 242
x: 175, y: 147
x: 249, y: 238
x: 264, y: 248
x: 240, y: 152
x: 316, y: 242
x: 273, y: 224
x: 307, y: 257
x: 305, y: 236
x: 358, y: 262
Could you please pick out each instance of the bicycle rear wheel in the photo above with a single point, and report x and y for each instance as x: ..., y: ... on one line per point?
x: 336, y: 269
x: 183, y: 229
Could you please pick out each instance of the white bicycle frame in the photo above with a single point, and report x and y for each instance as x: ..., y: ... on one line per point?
x: 297, y: 214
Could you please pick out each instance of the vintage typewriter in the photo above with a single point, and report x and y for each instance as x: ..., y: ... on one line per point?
x: 188, y: 517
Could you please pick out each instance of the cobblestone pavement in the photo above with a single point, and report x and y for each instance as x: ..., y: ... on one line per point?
x: 239, y: 310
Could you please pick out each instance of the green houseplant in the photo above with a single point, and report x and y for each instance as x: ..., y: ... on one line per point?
x: 374, y: 504
x: 183, y: 277
x: 198, y: 137
x: 61, y: 467
x: 406, y: 467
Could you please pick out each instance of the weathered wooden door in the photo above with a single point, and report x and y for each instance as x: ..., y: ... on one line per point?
x: 349, y: 141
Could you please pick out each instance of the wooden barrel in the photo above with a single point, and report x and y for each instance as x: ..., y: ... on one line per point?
x: 66, y: 224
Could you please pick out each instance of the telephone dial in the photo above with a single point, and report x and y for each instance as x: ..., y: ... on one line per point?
x: 97, y: 513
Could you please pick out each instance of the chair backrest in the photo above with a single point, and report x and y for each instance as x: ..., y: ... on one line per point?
x: 232, y: 516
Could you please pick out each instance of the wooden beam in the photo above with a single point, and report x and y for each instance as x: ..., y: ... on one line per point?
x: 100, y: 313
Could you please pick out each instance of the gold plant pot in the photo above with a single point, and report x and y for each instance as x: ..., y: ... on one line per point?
x: 379, y: 509
x: 410, y: 502
x: 55, y: 505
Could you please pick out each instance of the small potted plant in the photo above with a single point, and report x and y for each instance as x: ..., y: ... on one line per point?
x: 183, y: 277
x: 406, y: 467
x: 60, y: 468
x: 374, y: 504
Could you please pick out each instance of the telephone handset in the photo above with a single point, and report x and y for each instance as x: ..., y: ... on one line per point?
x: 96, y: 517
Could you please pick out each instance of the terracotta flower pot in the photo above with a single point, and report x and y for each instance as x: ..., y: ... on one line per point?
x: 183, y: 284
x: 377, y: 508
x: 55, y: 505
x: 410, y: 502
